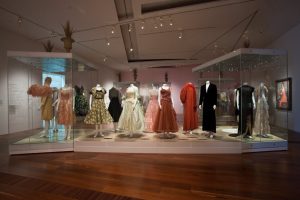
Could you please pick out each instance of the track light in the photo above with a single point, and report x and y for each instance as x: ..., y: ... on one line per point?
x: 131, y: 49
x: 130, y: 28
x: 170, y: 21
x: 113, y: 30
x: 143, y: 25
x: 105, y: 59
x: 20, y: 20
x: 107, y: 42
x: 180, y: 35
x: 161, y: 22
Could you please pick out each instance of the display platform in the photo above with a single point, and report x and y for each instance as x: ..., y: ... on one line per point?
x: 121, y: 142
x: 34, y: 143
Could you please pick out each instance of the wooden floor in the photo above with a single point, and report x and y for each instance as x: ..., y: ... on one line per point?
x: 272, y: 175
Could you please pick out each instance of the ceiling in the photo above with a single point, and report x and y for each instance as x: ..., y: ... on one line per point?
x: 207, y: 28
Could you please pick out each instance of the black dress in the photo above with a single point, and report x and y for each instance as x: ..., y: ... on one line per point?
x: 245, y: 110
x: 114, y: 107
x: 208, y: 99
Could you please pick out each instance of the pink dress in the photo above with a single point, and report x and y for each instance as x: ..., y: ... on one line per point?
x: 65, y: 107
x: 152, y: 110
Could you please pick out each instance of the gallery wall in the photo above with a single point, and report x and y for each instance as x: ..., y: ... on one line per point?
x: 291, y: 42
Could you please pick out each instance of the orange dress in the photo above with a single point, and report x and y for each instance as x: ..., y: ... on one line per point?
x: 65, y: 107
x: 165, y: 120
x: 188, y: 98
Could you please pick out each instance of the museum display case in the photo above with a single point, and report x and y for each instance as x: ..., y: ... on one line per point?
x: 247, y: 90
x: 253, y: 97
x: 42, y: 115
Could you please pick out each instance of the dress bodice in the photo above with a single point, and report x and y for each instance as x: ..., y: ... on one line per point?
x: 98, y: 94
x: 153, y: 94
x: 165, y: 94
x: 65, y: 94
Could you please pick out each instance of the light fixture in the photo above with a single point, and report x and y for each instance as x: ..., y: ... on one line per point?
x: 161, y: 24
x: 180, y: 35
x: 105, y: 59
x: 107, y: 42
x: 143, y: 25
x: 130, y: 28
x: 20, y: 20
x: 170, y: 21
x: 131, y: 49
x: 113, y: 30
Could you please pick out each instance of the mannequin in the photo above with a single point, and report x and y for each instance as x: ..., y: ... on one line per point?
x: 188, y: 99
x: 65, y: 106
x: 45, y: 92
x: 165, y: 121
x: 98, y: 114
x: 152, y: 109
x: 245, y: 105
x: 208, y: 101
x: 55, y: 99
x: 115, y: 108
x: 132, y: 117
x: 261, y: 125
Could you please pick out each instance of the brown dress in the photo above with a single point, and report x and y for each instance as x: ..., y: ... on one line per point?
x: 65, y: 107
x: 188, y: 99
x: 166, y: 117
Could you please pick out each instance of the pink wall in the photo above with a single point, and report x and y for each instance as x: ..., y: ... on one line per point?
x: 177, y: 77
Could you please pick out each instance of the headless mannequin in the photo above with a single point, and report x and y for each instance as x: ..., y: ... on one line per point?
x: 238, y: 104
x: 98, y: 127
x: 47, y: 122
x: 207, y: 84
x: 55, y: 95
x: 190, y: 131
x: 134, y: 88
x: 165, y: 86
x: 68, y: 128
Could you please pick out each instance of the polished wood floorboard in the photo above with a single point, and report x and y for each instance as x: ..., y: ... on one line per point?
x: 268, y: 175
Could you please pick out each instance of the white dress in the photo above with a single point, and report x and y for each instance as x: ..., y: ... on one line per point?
x: 132, y: 117
x: 261, y: 125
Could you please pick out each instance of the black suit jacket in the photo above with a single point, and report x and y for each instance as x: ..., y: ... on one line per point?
x: 208, y: 98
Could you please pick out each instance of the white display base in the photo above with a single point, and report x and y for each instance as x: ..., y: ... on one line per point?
x: 40, y: 148
x: 264, y: 146
x: 164, y: 147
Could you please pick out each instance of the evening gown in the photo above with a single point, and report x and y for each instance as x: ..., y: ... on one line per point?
x: 152, y: 110
x: 65, y: 107
x: 132, y: 118
x: 261, y: 125
x: 98, y: 113
x: 166, y: 117
x: 114, y: 107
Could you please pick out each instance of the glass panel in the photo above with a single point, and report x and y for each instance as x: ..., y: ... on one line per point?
x: 44, y: 115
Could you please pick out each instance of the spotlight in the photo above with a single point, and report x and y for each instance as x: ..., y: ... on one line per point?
x: 113, y: 30
x: 130, y: 28
x: 20, y: 20
x: 107, y: 42
x: 143, y: 25
x: 180, y: 35
x: 105, y: 59
x: 161, y: 22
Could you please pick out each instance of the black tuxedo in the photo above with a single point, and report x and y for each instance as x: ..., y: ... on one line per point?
x: 208, y: 99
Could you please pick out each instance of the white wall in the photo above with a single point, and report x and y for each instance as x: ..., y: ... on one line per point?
x: 291, y: 42
x: 15, y: 42
x: 10, y: 41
